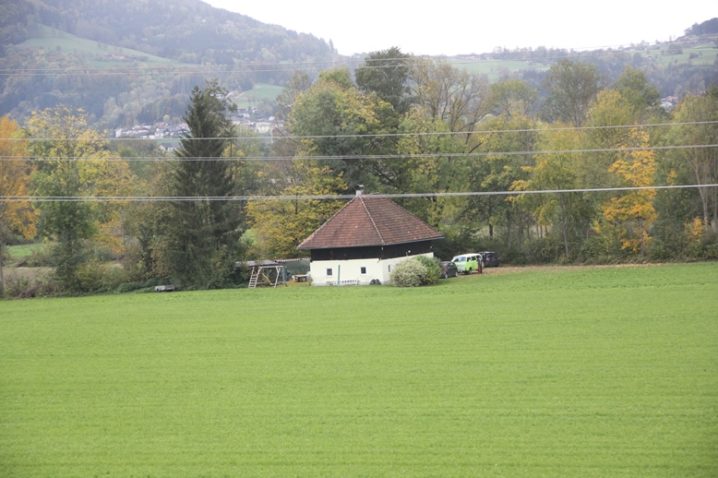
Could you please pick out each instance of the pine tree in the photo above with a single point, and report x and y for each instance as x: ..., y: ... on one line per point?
x: 201, y: 236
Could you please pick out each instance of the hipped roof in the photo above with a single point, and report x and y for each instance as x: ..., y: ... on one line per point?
x: 370, y: 221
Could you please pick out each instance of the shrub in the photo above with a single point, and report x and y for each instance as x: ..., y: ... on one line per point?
x: 20, y: 287
x: 408, y: 273
x: 41, y: 257
x: 432, y: 270
x: 99, y: 277
x: 543, y: 250
x: 416, y: 272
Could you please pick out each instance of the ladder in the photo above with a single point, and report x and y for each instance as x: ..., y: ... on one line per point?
x: 254, y: 277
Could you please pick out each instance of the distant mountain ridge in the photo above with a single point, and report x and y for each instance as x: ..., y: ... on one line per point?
x: 190, y: 31
x: 103, y: 55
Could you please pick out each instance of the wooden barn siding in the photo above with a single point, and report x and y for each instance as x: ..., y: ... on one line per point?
x: 373, y: 252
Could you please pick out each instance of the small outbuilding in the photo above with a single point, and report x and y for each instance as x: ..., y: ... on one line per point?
x: 365, y: 240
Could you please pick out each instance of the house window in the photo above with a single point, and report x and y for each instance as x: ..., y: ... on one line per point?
x: 329, y: 272
x: 363, y: 270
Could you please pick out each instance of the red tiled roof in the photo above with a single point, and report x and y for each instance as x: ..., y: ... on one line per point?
x: 370, y: 221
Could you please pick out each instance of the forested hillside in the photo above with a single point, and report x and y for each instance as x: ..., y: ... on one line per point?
x: 127, y: 61
x: 134, y: 62
x: 189, y: 31
x: 685, y: 65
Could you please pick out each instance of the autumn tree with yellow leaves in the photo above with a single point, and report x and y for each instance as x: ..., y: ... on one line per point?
x: 17, y: 217
x: 73, y: 165
x: 280, y: 225
x: 627, y: 218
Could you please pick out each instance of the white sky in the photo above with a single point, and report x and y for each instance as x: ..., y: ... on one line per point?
x: 475, y: 26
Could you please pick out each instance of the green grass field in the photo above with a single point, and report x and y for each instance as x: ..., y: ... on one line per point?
x: 23, y: 251
x: 700, y: 54
x: 585, y: 372
x: 99, y: 54
x: 496, y: 69
x: 259, y: 92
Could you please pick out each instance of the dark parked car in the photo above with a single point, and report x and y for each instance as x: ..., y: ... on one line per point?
x: 490, y: 259
x: 448, y: 269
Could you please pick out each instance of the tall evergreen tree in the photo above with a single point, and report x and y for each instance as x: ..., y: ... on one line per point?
x: 201, y: 235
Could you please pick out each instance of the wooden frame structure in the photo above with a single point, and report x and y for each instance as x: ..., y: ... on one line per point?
x: 267, y: 274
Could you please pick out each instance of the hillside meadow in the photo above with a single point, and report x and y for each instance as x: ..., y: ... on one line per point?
x: 585, y: 372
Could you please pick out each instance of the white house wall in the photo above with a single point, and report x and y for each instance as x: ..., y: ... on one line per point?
x: 349, y: 272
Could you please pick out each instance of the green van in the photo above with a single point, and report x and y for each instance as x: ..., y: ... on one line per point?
x: 467, y: 263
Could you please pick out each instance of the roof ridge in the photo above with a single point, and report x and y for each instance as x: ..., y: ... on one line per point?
x: 384, y: 223
x: 381, y: 237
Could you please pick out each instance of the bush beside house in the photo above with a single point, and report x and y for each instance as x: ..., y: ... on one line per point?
x: 417, y: 271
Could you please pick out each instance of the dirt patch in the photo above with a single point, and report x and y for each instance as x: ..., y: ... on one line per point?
x: 514, y: 269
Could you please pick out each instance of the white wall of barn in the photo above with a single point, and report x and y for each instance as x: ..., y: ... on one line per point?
x: 349, y: 272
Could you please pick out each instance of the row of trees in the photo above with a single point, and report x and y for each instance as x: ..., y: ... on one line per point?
x: 59, y: 159
x: 444, y: 130
x: 399, y: 125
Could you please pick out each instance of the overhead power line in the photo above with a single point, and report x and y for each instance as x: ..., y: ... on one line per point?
x: 191, y: 69
x: 386, y: 135
x: 352, y: 62
x: 311, y: 197
x: 367, y: 157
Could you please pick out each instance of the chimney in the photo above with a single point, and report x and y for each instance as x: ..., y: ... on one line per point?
x: 360, y: 190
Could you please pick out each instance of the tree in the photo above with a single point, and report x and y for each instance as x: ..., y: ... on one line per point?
x: 201, y: 235
x: 73, y: 163
x: 702, y: 162
x: 432, y: 174
x: 511, y: 97
x: 386, y: 73
x: 572, y: 87
x: 449, y: 94
x: 642, y: 96
x: 628, y: 218
x: 338, y: 120
x: 567, y: 215
x: 607, y: 114
x: 280, y: 225
x: 496, y: 171
x: 16, y: 216
x: 285, y: 101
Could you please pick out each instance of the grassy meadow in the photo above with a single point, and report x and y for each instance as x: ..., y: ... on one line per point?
x: 259, y: 92
x: 585, y: 372
x: 99, y: 54
x: 22, y: 251
x: 495, y: 69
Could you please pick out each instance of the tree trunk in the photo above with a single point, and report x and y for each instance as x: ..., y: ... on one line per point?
x: 2, y: 275
x: 706, y: 214
x: 491, y: 226
x: 564, y: 232
x: 703, y: 192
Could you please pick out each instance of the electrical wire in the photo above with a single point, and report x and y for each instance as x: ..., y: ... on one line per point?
x: 384, y: 135
x: 368, y: 157
x: 313, y: 197
x: 350, y: 62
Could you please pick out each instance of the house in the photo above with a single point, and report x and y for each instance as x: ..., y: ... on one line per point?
x: 365, y: 240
